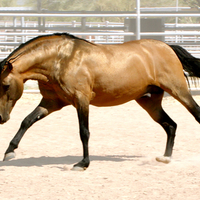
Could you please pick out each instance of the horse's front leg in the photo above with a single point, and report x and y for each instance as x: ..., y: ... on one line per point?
x: 42, y: 110
x: 83, y: 114
x: 37, y: 114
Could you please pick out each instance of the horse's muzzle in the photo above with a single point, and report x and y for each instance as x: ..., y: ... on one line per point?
x: 4, y: 119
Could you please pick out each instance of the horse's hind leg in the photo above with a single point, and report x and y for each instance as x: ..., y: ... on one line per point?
x: 42, y: 110
x: 152, y: 104
x: 82, y: 106
x: 185, y: 98
x: 178, y: 88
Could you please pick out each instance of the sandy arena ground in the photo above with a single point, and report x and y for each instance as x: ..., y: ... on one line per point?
x: 123, y: 145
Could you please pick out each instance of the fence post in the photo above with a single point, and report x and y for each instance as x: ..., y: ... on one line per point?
x: 39, y: 11
x: 83, y: 25
x: 22, y: 25
x: 43, y: 24
x: 138, y: 20
x: 129, y: 27
x: 15, y: 26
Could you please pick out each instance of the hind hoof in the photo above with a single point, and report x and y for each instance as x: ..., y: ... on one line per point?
x: 163, y: 159
x: 9, y: 156
x: 78, y: 169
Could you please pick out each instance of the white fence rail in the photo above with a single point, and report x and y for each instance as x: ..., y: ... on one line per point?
x: 99, y: 15
x: 29, y: 29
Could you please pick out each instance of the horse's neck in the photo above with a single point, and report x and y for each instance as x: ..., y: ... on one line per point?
x: 35, y: 65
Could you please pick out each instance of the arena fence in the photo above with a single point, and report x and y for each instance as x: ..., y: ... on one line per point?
x: 16, y: 28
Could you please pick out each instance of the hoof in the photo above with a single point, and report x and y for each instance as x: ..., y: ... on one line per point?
x: 9, y: 156
x: 164, y: 159
x: 78, y: 168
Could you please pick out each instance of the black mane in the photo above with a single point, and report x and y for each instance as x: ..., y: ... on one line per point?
x: 41, y: 36
x: 67, y: 35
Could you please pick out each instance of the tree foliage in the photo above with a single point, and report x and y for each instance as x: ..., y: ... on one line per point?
x: 6, y: 3
x: 193, y: 3
x: 104, y: 5
x: 101, y: 5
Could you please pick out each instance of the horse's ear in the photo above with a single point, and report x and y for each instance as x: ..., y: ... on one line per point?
x: 7, y: 68
x: 10, y: 67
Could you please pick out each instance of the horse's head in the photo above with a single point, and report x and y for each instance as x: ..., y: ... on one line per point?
x: 11, y: 89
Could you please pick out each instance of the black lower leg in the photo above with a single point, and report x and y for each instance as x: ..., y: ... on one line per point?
x: 153, y: 106
x: 170, y: 128
x: 36, y: 115
x: 196, y: 113
x: 84, y: 135
x: 84, y: 163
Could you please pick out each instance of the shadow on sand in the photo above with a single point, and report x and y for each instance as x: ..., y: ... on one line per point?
x: 65, y: 160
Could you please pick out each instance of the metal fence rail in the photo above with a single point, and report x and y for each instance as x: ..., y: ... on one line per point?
x: 110, y: 32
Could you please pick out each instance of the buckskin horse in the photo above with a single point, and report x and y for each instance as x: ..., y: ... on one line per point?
x: 73, y: 71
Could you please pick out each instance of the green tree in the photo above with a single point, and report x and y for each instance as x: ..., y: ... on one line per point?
x: 102, y: 5
x: 6, y: 3
x: 193, y: 3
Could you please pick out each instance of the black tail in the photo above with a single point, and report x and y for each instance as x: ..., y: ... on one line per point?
x: 189, y: 62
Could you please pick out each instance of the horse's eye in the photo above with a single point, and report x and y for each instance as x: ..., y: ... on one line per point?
x: 6, y: 87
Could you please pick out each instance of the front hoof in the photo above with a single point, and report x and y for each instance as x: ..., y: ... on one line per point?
x: 76, y: 168
x: 82, y: 165
x: 9, y: 156
x: 164, y: 159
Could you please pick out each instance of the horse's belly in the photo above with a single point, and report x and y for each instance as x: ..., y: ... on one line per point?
x: 109, y: 102
x: 110, y: 99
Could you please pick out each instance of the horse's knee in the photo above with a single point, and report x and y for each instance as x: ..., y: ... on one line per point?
x: 170, y: 127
